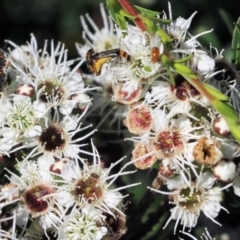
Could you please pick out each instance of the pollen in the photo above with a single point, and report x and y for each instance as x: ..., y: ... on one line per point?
x: 52, y: 138
x: 190, y: 199
x: 51, y: 90
x: 89, y: 188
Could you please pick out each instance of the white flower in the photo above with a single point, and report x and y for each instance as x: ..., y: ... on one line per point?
x: 8, y: 139
x: 86, y: 223
x: 57, y: 137
x: 190, y: 198
x: 50, y: 76
x: 22, y: 117
x: 20, y: 121
x: 230, y: 148
x: 171, y: 140
x: 104, y: 103
x: 101, y: 39
x: 179, y: 99
x: 203, y: 63
x: 37, y: 195
x: 83, y: 101
x: 178, y: 28
x: 5, y: 105
x: 91, y: 185
x: 141, y: 67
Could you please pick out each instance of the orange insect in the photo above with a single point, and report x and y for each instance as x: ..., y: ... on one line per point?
x: 95, y: 60
x: 155, y: 54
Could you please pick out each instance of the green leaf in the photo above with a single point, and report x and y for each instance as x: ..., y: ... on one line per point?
x: 120, y: 20
x: 226, y: 111
x: 214, y: 92
x: 231, y: 117
x: 234, y: 127
x: 147, y: 69
x: 152, y: 15
x: 184, y: 70
x: 125, y: 14
x: 147, y: 12
x: 171, y: 77
x: 164, y: 37
x: 116, y: 12
x: 225, y: 16
x: 160, y: 20
x: 185, y: 59
x: 236, y: 45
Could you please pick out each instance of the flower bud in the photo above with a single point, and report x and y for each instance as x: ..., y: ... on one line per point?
x: 224, y: 171
x: 220, y: 127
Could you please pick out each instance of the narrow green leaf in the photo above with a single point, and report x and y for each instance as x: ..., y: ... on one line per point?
x: 234, y: 127
x: 184, y: 70
x: 225, y: 15
x: 164, y: 36
x: 236, y: 45
x: 121, y: 22
x: 171, y: 77
x: 147, y: 12
x: 225, y: 110
x: 185, y: 59
x: 216, y: 93
x: 160, y: 20
x: 115, y: 10
x: 230, y: 115
x: 152, y: 15
x: 125, y: 14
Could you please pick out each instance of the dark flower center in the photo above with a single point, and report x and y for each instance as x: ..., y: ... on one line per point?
x: 50, y: 91
x: 35, y: 200
x: 52, y: 138
x: 89, y: 188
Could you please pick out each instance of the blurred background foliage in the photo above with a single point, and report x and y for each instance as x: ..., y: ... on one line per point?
x: 59, y: 20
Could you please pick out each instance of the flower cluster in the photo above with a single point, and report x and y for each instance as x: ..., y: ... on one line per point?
x: 155, y: 79
x: 174, y: 125
x: 65, y: 200
x: 50, y: 189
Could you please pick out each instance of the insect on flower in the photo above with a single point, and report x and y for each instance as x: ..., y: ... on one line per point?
x: 95, y: 60
x: 155, y: 54
x: 3, y: 75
